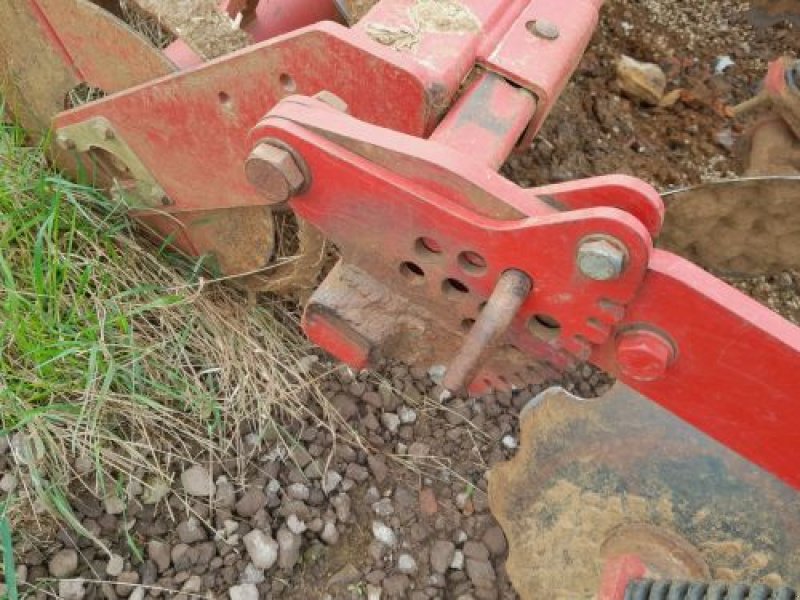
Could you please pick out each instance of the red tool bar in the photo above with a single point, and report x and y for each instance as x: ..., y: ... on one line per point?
x: 730, y: 365
x: 488, y: 120
x: 443, y: 47
x: 734, y: 374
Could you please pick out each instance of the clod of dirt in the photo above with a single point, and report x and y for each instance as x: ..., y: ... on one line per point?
x: 425, y: 16
x: 641, y: 80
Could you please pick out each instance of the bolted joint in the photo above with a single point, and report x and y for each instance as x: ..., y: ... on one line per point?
x: 644, y: 355
x: 275, y: 171
x: 602, y: 258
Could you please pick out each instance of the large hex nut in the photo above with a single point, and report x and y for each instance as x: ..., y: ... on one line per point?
x: 644, y: 355
x: 274, y: 172
x: 601, y: 259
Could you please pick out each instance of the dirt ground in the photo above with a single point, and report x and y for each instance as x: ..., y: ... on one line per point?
x: 409, y: 518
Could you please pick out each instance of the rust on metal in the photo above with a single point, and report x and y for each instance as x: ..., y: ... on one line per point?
x: 45, y: 53
x: 130, y: 182
x: 493, y: 321
x: 274, y: 171
x: 618, y: 475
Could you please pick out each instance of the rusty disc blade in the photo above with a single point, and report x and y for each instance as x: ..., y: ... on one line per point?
x: 617, y: 475
x: 743, y: 227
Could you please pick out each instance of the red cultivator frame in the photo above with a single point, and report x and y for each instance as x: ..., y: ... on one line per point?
x: 386, y: 139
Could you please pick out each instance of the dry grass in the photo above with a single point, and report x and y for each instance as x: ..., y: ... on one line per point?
x: 118, y: 356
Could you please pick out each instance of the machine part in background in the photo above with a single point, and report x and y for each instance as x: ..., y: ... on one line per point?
x: 619, y: 476
x: 749, y: 225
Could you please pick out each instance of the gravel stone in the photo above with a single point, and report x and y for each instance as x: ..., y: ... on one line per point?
x: 8, y: 483
x: 442, y: 555
x: 113, y: 505
x: 226, y: 493
x: 378, y: 468
x: 159, y: 553
x: 343, y: 507
x: 252, y: 575
x: 476, y: 550
x: 71, y: 589
x: 191, y: 531
x: 290, y: 545
x: 125, y: 583
x: 295, y: 525
x: 481, y: 573
x: 63, y: 564
x: 407, y: 415
x: 356, y: 472
x: 396, y: 586
x: 261, y: 548
x: 406, y: 564
x: 391, y: 422
x: 383, y: 507
x: 115, y: 566
x: 330, y: 535
x: 251, y: 502
x: 331, y: 481
x: 510, y: 442
x: 245, y: 591
x: 197, y: 481
x: 384, y: 534
x: 495, y: 540
x: 298, y: 491
x: 346, y: 405
x: 458, y: 560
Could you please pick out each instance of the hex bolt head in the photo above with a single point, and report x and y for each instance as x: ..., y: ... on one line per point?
x: 601, y: 259
x: 644, y: 355
x: 274, y: 172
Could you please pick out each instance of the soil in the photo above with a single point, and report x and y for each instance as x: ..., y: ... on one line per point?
x: 420, y: 483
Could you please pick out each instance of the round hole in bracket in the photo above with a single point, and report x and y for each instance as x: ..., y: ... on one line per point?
x: 467, y: 324
x: 472, y: 263
x: 412, y: 272
x: 288, y: 83
x: 544, y: 327
x: 453, y: 288
x: 426, y: 247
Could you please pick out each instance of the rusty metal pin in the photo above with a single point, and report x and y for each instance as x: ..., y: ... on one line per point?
x: 509, y: 294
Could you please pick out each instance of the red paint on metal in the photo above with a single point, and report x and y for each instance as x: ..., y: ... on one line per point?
x: 327, y: 332
x: 643, y: 355
x: 488, y: 120
x: 542, y: 65
x: 277, y: 17
x: 65, y: 25
x: 375, y: 217
x: 194, y: 140
x: 734, y: 376
x: 618, y: 572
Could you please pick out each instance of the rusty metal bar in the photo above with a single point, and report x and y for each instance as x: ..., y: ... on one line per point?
x: 509, y: 294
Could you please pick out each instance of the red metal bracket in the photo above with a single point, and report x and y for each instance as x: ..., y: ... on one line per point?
x: 421, y: 233
x: 405, y: 213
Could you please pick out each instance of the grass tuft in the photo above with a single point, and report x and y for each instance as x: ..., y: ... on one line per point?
x: 116, y: 359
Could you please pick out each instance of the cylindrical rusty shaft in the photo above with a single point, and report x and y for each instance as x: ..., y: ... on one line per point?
x: 509, y: 294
